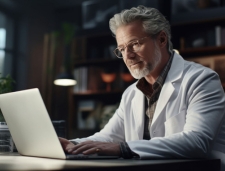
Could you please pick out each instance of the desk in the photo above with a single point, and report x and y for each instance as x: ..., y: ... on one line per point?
x: 9, y: 161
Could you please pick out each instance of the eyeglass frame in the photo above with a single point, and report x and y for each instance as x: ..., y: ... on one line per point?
x: 137, y: 41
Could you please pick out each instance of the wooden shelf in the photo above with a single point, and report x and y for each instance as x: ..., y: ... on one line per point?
x: 203, y: 51
x: 104, y: 97
x: 97, y: 93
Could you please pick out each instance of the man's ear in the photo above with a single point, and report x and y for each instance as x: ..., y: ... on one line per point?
x: 162, y: 37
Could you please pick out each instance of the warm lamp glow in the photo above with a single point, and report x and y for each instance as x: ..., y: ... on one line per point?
x: 65, y: 79
x: 65, y: 82
x: 108, y: 78
x: 127, y: 77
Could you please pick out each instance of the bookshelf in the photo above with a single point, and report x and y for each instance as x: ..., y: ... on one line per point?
x: 90, y: 98
x: 97, y: 93
x: 199, y: 28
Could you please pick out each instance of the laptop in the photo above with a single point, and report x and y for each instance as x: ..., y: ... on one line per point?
x: 31, y: 127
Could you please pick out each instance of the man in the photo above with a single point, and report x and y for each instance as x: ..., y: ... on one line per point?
x: 174, y: 110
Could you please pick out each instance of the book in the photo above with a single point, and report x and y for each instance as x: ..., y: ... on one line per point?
x: 218, y: 35
x: 86, y: 118
x: 79, y: 48
x: 223, y: 36
x: 94, y: 81
x: 80, y: 74
x: 210, y: 37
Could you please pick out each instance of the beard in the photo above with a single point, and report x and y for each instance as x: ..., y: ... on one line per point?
x: 148, y: 67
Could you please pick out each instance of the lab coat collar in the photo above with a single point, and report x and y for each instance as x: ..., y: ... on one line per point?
x: 138, y: 112
x: 174, y: 74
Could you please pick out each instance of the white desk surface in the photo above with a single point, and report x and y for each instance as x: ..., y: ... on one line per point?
x: 9, y: 161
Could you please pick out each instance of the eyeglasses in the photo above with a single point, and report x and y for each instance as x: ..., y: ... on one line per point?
x: 133, y: 46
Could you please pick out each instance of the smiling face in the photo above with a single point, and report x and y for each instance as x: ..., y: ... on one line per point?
x: 145, y: 61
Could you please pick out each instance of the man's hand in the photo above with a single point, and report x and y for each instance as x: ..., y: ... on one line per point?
x: 92, y: 147
x: 66, y: 144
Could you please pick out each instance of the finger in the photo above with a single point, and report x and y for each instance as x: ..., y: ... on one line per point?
x: 75, y: 147
x: 83, y: 148
x: 66, y: 144
x: 69, y: 146
x: 62, y: 140
x: 93, y: 150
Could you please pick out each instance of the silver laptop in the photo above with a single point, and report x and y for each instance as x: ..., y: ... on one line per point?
x: 31, y: 128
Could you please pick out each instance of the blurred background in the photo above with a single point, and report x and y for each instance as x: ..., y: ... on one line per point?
x: 41, y: 39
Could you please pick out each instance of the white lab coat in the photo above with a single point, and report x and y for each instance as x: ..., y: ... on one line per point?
x: 189, y: 112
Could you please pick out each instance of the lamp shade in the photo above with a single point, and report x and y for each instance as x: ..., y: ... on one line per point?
x: 65, y: 79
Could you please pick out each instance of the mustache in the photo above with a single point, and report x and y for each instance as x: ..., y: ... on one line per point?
x: 131, y: 62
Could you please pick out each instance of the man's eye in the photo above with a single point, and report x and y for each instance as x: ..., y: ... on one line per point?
x: 121, y: 49
x: 135, y: 44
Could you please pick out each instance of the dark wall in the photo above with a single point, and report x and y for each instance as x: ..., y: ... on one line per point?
x: 31, y: 23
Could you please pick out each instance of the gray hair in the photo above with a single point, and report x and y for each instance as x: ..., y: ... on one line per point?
x: 152, y: 20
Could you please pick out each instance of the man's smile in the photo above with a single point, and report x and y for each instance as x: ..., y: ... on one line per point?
x: 133, y: 64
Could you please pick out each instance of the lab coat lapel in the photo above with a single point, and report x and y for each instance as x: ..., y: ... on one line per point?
x: 165, y: 95
x: 138, y: 112
x: 174, y: 74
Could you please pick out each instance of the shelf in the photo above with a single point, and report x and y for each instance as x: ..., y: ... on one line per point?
x: 97, y: 93
x: 203, y: 51
x: 106, y: 97
x: 97, y: 62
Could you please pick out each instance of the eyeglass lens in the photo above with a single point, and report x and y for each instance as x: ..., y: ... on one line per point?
x: 132, y: 47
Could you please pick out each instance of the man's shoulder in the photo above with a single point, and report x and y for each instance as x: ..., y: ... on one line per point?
x: 196, y: 75
x: 188, y: 66
x: 193, y: 67
x: 190, y: 73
